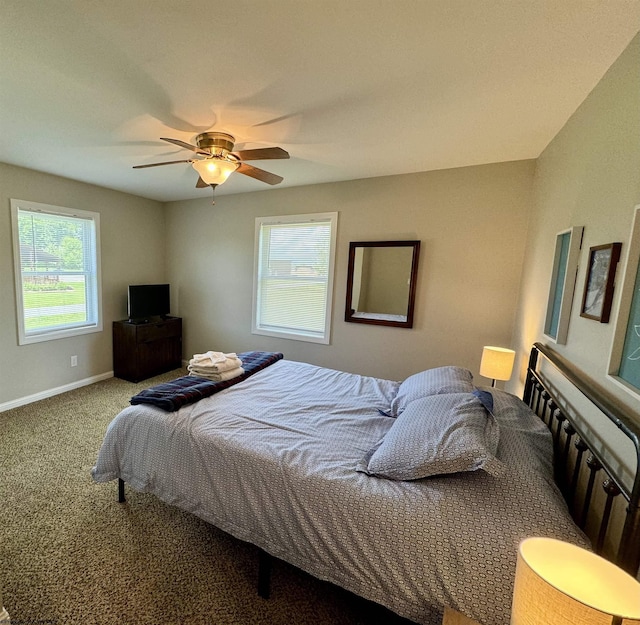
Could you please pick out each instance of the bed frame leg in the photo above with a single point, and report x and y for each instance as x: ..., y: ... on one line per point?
x: 264, y: 574
x: 121, y: 497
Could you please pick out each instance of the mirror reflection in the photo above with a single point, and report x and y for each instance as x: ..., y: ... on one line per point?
x: 381, y: 282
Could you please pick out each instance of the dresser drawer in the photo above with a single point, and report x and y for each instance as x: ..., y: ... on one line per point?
x: 161, y: 330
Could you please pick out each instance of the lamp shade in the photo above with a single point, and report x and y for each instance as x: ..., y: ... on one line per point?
x: 214, y: 170
x: 497, y: 362
x: 560, y: 584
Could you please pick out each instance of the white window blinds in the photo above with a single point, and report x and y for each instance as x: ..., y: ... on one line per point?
x: 294, y: 276
x: 57, y: 271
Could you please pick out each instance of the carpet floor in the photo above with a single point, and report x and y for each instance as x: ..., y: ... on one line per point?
x: 71, y: 555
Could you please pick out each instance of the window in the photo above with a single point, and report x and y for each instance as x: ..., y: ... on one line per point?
x: 57, y: 271
x: 293, y: 277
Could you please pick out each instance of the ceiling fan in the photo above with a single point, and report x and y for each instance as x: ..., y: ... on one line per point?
x: 219, y: 160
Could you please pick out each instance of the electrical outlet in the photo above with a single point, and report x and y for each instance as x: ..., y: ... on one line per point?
x: 74, y: 361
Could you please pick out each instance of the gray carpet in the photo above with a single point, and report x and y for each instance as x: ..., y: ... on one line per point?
x: 70, y: 554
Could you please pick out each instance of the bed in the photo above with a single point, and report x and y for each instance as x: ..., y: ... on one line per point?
x: 328, y: 471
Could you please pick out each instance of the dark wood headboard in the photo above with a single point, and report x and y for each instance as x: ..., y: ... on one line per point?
x: 578, y: 465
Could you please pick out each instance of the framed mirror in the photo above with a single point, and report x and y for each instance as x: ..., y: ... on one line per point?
x: 381, y: 282
x: 563, y: 282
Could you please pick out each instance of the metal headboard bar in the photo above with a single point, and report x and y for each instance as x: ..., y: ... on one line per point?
x: 570, y: 429
x: 628, y: 556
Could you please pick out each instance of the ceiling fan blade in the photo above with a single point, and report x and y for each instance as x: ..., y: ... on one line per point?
x: 259, y: 174
x: 188, y: 146
x: 261, y: 154
x: 158, y: 164
x: 201, y: 184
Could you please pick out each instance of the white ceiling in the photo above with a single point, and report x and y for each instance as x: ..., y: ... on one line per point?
x: 351, y: 88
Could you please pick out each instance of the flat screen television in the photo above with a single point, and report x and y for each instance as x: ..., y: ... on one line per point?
x: 148, y: 300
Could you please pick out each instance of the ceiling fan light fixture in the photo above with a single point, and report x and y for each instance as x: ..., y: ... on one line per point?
x: 215, y: 170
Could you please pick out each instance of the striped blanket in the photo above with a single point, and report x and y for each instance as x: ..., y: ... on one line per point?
x: 188, y: 389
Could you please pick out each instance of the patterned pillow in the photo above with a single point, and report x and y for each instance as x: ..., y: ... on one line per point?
x: 431, y: 382
x: 437, y: 435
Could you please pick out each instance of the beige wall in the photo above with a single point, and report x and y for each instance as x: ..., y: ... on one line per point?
x: 133, y: 244
x: 472, y: 223
x: 588, y: 176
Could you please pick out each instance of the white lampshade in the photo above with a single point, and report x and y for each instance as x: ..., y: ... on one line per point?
x: 214, y: 170
x: 560, y: 584
x: 497, y: 362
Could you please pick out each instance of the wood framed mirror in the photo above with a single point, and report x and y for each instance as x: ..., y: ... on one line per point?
x: 381, y: 282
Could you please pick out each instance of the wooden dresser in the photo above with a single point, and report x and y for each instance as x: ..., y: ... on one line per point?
x: 142, y: 350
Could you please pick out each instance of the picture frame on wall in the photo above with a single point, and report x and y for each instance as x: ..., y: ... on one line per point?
x: 599, y: 282
x: 563, y: 282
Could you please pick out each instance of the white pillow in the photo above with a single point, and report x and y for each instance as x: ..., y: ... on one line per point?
x: 431, y: 382
x: 437, y: 435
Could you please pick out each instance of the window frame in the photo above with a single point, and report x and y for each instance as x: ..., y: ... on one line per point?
x: 25, y: 337
x: 256, y: 327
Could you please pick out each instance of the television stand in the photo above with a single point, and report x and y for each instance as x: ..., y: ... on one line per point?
x: 144, y: 349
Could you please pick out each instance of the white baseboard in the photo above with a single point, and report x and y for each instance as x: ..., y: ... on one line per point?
x: 22, y: 401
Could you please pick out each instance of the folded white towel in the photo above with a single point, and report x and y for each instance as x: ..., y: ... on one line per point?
x: 219, y: 367
x: 215, y: 362
x: 219, y: 377
x: 212, y: 357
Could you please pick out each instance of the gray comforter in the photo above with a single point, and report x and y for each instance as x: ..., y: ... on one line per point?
x: 271, y: 461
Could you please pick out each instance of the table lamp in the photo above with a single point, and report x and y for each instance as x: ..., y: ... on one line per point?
x: 496, y: 363
x: 561, y: 584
